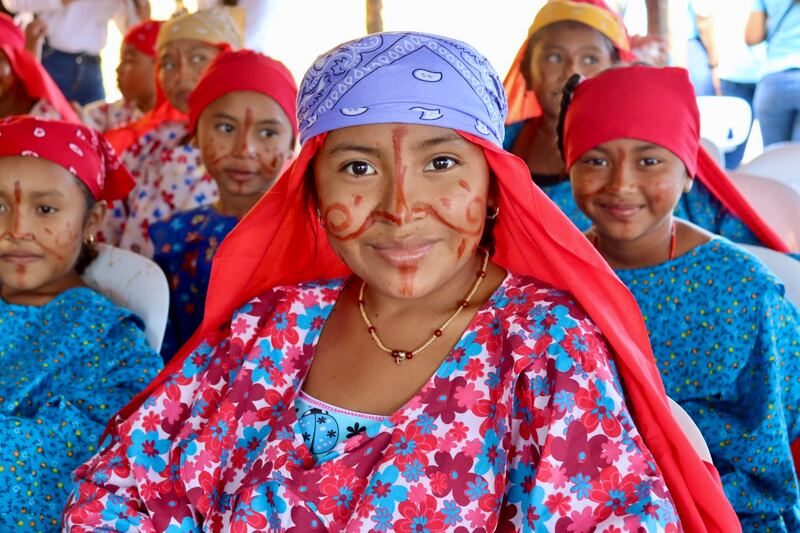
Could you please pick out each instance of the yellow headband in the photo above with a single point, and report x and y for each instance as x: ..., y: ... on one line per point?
x: 593, y: 16
x: 214, y: 26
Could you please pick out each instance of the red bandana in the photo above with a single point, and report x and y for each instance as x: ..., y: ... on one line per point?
x: 656, y: 105
x: 244, y: 70
x: 143, y: 36
x: 82, y: 151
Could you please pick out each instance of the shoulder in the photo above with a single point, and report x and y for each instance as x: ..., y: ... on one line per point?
x: 286, y: 298
x: 738, y: 265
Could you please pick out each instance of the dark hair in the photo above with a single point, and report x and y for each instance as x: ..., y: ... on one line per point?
x: 88, y: 251
x: 566, y: 99
x: 527, y: 56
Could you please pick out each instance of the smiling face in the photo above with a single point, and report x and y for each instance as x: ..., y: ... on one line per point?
x: 404, y: 206
x: 43, y: 222
x: 180, y: 65
x: 245, y: 138
x: 560, y: 50
x: 135, y: 77
x: 629, y: 188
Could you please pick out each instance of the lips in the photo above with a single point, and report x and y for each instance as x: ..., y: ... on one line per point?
x: 622, y: 211
x: 241, y: 175
x: 19, y: 257
x: 404, y: 252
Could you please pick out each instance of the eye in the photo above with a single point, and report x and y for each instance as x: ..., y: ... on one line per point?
x: 46, y: 209
x: 224, y: 127
x: 267, y: 133
x: 167, y: 64
x: 590, y: 60
x: 198, y: 59
x: 440, y: 163
x: 553, y: 58
x: 359, y: 168
x: 649, y: 161
x: 594, y: 161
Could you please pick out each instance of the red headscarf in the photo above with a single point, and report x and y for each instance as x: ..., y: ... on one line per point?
x: 143, y: 36
x: 82, y: 151
x: 522, y: 103
x: 245, y: 70
x: 30, y: 72
x: 656, y: 105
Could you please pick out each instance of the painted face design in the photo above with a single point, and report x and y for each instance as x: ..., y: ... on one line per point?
x: 628, y: 187
x: 245, y: 138
x: 561, y: 50
x: 42, y: 223
x: 180, y: 65
x: 404, y: 205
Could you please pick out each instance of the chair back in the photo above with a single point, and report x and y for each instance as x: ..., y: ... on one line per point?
x: 776, y: 202
x: 691, y: 431
x: 785, y: 267
x: 135, y: 282
x: 714, y: 151
x: 726, y: 120
x: 779, y: 161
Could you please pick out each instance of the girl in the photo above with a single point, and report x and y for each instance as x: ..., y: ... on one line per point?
x: 70, y: 357
x: 25, y: 86
x: 135, y: 79
x: 420, y: 384
x: 168, y: 171
x: 725, y: 339
x: 242, y: 114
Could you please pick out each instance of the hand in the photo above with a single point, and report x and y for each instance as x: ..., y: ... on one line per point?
x: 652, y: 49
x: 142, y: 9
x: 715, y: 81
x: 35, y: 32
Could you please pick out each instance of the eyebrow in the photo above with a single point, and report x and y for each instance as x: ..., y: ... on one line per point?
x: 222, y: 114
x: 447, y: 138
x: 349, y: 147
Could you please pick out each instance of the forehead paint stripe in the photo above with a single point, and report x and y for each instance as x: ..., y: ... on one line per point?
x: 398, y: 135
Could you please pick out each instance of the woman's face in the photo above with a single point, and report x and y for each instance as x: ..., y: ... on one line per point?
x: 43, y: 222
x: 404, y: 206
x: 135, y: 75
x: 245, y: 138
x: 628, y: 187
x: 561, y: 50
x: 180, y: 65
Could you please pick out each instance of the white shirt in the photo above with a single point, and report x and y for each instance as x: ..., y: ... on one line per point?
x: 258, y: 15
x: 80, y: 26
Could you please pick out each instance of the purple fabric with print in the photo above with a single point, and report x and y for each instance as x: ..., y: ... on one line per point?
x: 404, y: 77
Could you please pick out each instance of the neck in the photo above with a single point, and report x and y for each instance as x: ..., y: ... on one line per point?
x: 147, y: 103
x: 16, y: 102
x: 652, y: 248
x: 41, y: 295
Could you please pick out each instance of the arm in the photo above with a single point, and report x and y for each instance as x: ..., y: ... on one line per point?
x: 36, y: 6
x: 755, y: 31
x: 705, y: 27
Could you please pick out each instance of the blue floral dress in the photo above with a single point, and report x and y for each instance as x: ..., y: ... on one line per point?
x: 698, y: 206
x: 184, y: 246
x: 522, y: 427
x: 67, y: 367
x: 728, y: 347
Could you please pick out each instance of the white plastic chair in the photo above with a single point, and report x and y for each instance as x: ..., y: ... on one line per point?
x: 785, y: 267
x: 135, y: 282
x: 691, y: 431
x: 714, y: 151
x: 780, y: 162
x: 776, y: 202
x: 726, y: 120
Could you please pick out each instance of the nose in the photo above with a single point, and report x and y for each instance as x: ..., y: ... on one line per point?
x: 621, y: 178
x: 245, y: 143
x: 16, y: 226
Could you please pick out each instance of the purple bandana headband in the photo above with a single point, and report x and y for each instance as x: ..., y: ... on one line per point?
x: 408, y: 78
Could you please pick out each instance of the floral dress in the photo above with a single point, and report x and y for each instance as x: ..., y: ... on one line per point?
x: 67, y: 366
x: 170, y: 177
x: 727, y: 344
x: 185, y: 244
x: 104, y: 116
x: 522, y: 427
x: 43, y: 109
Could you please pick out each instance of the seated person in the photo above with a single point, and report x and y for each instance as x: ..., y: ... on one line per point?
x: 242, y: 115
x: 70, y: 357
x: 405, y: 334
x: 726, y: 340
x: 169, y: 173
x: 25, y: 86
x: 136, y: 79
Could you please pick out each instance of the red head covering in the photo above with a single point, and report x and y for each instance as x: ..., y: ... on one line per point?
x: 30, y: 72
x: 82, y: 151
x: 143, y: 36
x: 656, y: 105
x: 244, y: 70
x: 522, y: 103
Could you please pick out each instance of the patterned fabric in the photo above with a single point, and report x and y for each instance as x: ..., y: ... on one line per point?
x: 104, y: 116
x: 43, y: 109
x: 170, y: 176
x: 67, y: 367
x: 698, y: 206
x: 728, y: 347
x: 522, y: 426
x: 184, y: 245
x: 408, y: 73
x: 325, y: 426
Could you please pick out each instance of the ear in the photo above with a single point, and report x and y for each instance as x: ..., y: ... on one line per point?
x: 94, y: 218
x: 688, y: 181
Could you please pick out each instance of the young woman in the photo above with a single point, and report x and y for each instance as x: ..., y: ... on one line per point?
x: 384, y: 348
x: 156, y: 149
x: 567, y: 37
x: 135, y: 79
x: 70, y: 357
x: 242, y: 115
x: 25, y: 86
x: 726, y: 340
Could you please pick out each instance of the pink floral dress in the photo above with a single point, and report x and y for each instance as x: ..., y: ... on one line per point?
x: 522, y: 427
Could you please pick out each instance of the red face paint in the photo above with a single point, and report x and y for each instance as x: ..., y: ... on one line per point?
x: 398, y: 134
x: 446, y: 202
x: 357, y: 200
x: 407, y: 274
x: 464, y: 185
x: 461, y: 247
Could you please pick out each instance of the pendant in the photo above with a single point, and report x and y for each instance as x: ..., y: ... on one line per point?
x: 400, y: 355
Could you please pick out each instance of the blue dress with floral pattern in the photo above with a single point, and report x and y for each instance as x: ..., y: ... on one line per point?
x: 727, y: 344
x: 67, y: 367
